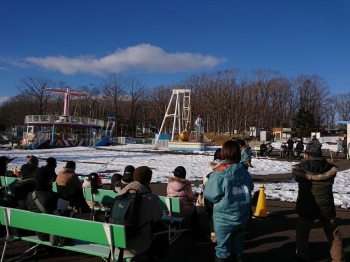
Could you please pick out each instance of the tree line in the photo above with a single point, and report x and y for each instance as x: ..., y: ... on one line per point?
x: 229, y: 101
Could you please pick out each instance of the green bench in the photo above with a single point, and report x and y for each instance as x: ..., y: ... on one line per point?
x: 7, y: 181
x: 88, y: 237
x: 104, y: 196
x: 170, y: 205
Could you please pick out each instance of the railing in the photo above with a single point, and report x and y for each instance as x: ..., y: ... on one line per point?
x: 63, y: 119
x: 121, y: 140
x: 160, y: 144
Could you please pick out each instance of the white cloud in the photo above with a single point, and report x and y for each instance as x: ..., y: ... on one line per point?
x: 3, y: 98
x: 141, y: 58
x: 3, y: 68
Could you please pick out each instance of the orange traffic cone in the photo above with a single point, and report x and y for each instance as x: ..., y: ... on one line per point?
x: 260, y: 211
x: 15, y: 171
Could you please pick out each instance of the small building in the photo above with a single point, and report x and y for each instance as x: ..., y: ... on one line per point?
x: 280, y: 133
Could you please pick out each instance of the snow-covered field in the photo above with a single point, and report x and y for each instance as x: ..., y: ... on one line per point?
x: 112, y: 159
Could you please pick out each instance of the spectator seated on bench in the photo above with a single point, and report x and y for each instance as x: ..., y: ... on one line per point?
x: 269, y: 149
x: 42, y: 199
x: 91, y: 182
x: 178, y: 186
x: 126, y: 179
x: 150, y: 212
x: 263, y: 149
x: 69, y: 188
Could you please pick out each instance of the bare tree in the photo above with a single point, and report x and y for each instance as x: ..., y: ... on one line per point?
x: 113, y: 90
x: 342, y: 106
x: 33, y: 89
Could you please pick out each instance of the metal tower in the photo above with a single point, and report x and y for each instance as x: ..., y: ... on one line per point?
x: 67, y: 93
x: 180, y: 103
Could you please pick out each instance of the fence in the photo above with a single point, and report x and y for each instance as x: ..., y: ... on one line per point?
x: 161, y: 144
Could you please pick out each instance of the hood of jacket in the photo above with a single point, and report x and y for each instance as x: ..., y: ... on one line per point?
x: 136, y: 186
x: 230, y: 171
x: 178, y: 184
x: 316, y: 169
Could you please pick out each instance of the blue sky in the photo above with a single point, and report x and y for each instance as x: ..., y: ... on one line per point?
x: 163, y: 42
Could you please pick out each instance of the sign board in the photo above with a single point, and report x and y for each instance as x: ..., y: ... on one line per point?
x: 286, y: 130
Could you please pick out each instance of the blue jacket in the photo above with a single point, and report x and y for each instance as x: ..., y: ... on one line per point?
x: 229, y: 188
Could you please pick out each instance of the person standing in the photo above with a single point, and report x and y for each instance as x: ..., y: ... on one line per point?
x: 200, y: 128
x: 246, y: 157
x: 299, y: 147
x: 315, y: 177
x: 210, y: 205
x: 339, y: 146
x: 345, y: 146
x: 229, y: 187
x: 290, y: 148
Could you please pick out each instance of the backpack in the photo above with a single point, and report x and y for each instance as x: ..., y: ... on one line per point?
x: 125, y: 211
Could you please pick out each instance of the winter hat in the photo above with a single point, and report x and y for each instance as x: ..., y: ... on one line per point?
x: 3, y: 160
x: 115, y: 178
x: 180, y: 172
x: 51, y: 161
x: 314, y: 150
x: 128, y: 174
x: 31, y: 159
x: 42, y: 176
x: 142, y: 174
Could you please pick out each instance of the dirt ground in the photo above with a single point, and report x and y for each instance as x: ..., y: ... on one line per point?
x: 272, y: 239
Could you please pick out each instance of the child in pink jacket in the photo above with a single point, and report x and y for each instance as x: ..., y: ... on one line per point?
x: 180, y: 187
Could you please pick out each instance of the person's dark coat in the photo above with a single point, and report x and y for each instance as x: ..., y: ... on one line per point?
x: 299, y: 145
x: 52, y: 168
x: 290, y: 144
x: 19, y: 192
x: 315, y: 177
x: 48, y: 199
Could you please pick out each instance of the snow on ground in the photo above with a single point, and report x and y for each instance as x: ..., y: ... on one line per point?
x: 112, y: 159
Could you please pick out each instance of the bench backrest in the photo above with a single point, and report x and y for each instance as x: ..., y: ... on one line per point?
x: 104, y: 196
x: 7, y: 181
x: 74, y: 228
x: 174, y: 204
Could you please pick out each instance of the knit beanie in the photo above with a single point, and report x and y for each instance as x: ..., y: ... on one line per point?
x: 42, y: 176
x: 143, y: 174
x: 31, y: 159
x: 128, y: 174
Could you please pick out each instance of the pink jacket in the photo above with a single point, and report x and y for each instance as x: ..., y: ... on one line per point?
x: 181, y: 188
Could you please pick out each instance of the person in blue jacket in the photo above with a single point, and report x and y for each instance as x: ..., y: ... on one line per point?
x: 230, y: 188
